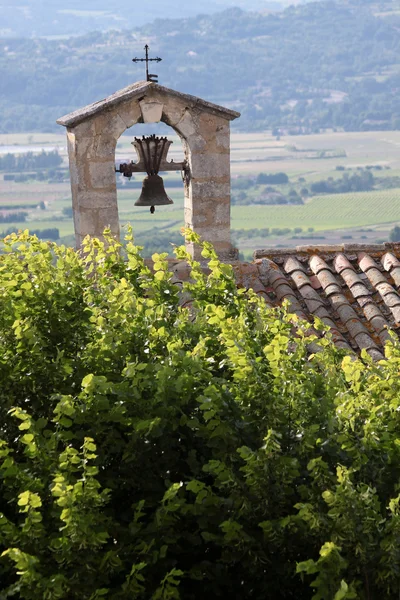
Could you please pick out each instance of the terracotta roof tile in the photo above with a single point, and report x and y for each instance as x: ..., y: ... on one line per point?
x: 329, y: 282
x: 375, y: 354
x: 351, y: 288
x: 318, y: 264
x: 395, y: 273
x: 271, y: 275
x: 359, y: 290
x: 376, y: 277
x: 340, y: 263
x: 315, y: 282
x: 392, y: 265
x: 389, y: 261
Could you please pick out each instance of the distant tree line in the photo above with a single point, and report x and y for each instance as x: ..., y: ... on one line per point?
x: 13, y: 217
x: 30, y: 161
x: 357, y: 182
x: 51, y: 233
x: 267, y: 196
x: 51, y: 176
x: 394, y: 235
x: 246, y: 190
x: 244, y: 182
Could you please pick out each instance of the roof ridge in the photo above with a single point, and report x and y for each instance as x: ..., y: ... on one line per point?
x: 132, y: 91
x: 325, y: 249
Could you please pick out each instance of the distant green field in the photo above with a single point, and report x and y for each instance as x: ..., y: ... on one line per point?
x: 336, y: 211
x: 251, y: 154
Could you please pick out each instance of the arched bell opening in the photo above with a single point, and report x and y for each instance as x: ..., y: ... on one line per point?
x: 141, y: 154
x: 93, y: 133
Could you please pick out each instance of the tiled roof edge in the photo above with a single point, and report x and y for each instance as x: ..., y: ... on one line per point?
x: 326, y: 249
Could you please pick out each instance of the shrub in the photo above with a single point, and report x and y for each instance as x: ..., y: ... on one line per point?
x: 11, y: 217
x: 51, y: 233
x: 394, y: 235
x: 272, y: 178
x: 153, y: 451
x: 67, y: 211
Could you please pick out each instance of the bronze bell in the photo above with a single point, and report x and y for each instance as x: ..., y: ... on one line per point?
x: 153, y: 193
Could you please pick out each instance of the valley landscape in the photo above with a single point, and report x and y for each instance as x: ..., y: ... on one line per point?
x: 214, y: 424
x: 367, y: 215
x: 317, y: 85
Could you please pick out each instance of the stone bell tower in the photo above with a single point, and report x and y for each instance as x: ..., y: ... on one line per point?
x: 204, y: 128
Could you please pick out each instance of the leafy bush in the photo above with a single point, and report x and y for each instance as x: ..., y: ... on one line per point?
x: 153, y: 451
x: 347, y: 183
x: 11, y: 217
x: 394, y: 235
x: 272, y: 178
x: 240, y: 234
x: 51, y: 233
x: 29, y: 161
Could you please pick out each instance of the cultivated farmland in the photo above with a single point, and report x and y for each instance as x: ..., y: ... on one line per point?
x: 303, y: 158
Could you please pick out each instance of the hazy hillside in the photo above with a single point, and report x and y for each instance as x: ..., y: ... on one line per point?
x: 324, y: 64
x: 31, y: 18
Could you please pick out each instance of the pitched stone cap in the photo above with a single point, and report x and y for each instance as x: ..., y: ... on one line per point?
x: 138, y: 89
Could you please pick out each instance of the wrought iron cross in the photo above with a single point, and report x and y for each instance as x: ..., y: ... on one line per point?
x: 149, y: 76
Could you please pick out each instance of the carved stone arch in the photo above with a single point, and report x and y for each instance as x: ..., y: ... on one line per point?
x: 204, y: 129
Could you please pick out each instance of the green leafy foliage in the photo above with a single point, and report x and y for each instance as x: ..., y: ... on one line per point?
x: 155, y: 448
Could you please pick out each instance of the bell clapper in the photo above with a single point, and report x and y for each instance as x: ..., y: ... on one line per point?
x: 152, y: 209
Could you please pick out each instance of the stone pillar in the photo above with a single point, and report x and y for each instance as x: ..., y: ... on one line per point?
x: 91, y: 151
x: 206, y: 139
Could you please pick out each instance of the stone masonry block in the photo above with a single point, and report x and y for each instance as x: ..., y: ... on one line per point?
x: 216, y: 212
x: 96, y: 199
x: 108, y: 217
x: 151, y: 111
x: 103, y: 147
x: 110, y: 123
x: 85, y: 148
x: 206, y: 166
x: 85, y: 129
x: 197, y: 144
x: 186, y: 126
x: 208, y: 125
x: 73, y: 167
x: 94, y: 221
x: 86, y: 222
x: 223, y: 137
x: 173, y: 111
x: 130, y: 113
x: 102, y: 174
x: 214, y: 234
x: 210, y: 189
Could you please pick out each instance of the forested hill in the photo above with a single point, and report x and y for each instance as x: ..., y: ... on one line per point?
x: 43, y: 18
x: 324, y: 64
